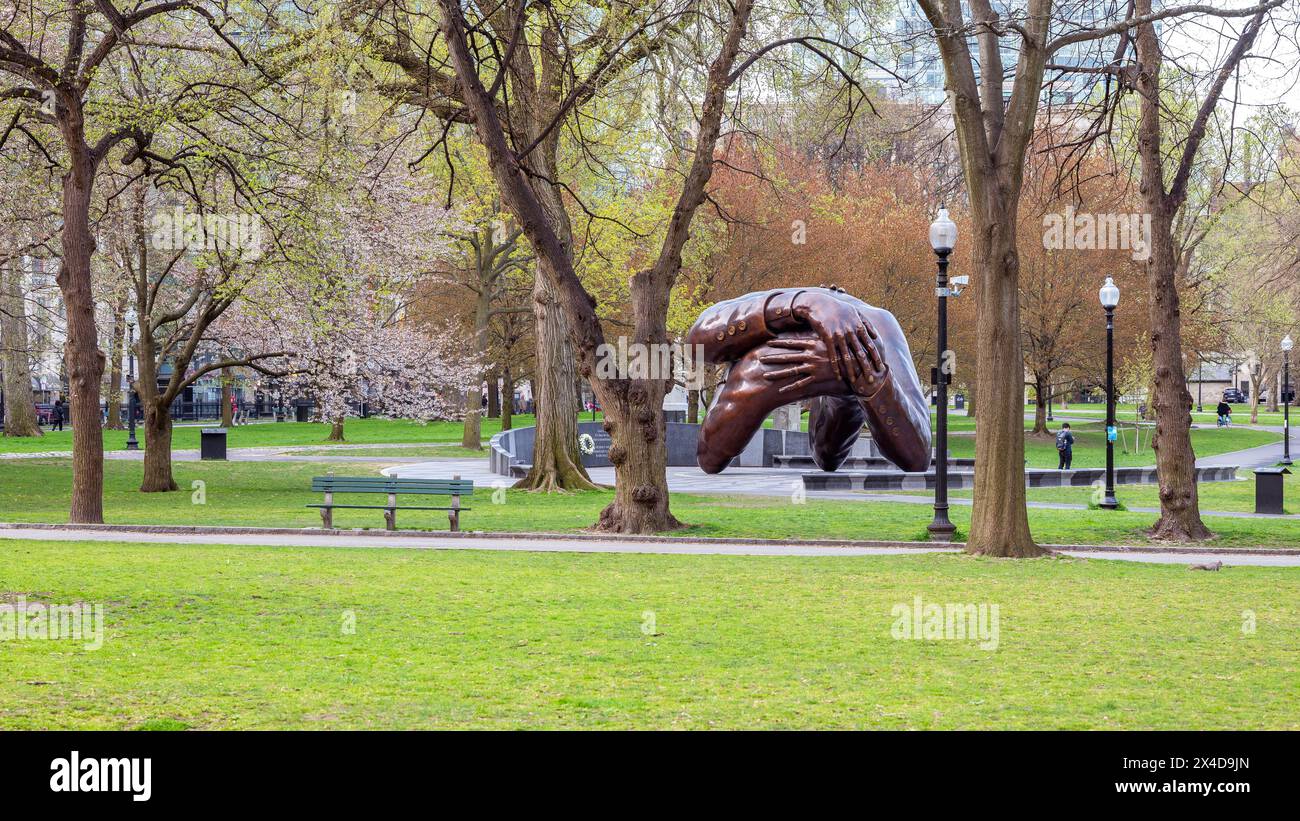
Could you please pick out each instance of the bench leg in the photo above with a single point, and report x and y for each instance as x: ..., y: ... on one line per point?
x: 327, y: 512
x: 390, y: 515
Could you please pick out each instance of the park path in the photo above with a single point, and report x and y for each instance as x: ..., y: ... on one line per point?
x: 561, y: 544
x: 788, y: 484
x: 262, y: 453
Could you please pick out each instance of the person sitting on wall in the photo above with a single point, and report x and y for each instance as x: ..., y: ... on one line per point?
x: 820, y: 344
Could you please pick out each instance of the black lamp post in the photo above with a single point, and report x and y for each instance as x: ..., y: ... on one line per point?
x: 131, y: 443
x: 1200, y: 380
x: 1109, y: 296
x: 943, y: 236
x: 1287, y: 345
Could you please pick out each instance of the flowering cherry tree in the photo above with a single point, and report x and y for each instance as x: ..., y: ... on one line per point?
x: 348, y: 350
x: 340, y: 307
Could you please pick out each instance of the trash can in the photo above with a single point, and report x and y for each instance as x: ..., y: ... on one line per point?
x: 1268, y: 489
x: 212, y: 443
x: 959, y: 401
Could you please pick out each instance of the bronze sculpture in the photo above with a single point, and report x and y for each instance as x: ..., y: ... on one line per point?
x: 849, y: 358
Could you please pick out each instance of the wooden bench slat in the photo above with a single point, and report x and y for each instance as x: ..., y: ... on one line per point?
x: 386, y: 507
x: 450, y: 487
x: 391, y: 487
x: 406, y: 491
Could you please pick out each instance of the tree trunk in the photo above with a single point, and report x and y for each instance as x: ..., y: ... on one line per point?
x: 556, y: 463
x: 472, y: 433
x: 227, y: 400
x: 507, y: 398
x: 20, y: 403
x: 82, y: 356
x: 157, y: 448
x: 156, y: 406
x: 636, y: 426
x: 493, y: 396
x: 1040, y: 407
x: 336, y: 431
x: 1180, y: 514
x: 117, y: 348
x: 999, y: 518
x: 1257, y: 384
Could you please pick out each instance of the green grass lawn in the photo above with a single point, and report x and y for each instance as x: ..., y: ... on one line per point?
x: 1127, y: 413
x: 429, y: 451
x: 274, y: 434
x: 275, y: 494
x: 1229, y: 497
x: 1090, y: 446
x: 242, y: 637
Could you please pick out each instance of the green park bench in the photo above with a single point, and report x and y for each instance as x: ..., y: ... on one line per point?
x: 454, y: 487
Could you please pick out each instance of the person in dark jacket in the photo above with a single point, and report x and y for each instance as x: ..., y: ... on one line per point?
x: 1225, y: 414
x: 1065, y: 446
x: 57, y: 422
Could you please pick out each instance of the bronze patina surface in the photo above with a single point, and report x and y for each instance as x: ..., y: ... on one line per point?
x: 850, y: 359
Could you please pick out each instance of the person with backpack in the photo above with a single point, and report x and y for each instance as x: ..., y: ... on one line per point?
x: 1065, y: 446
x: 57, y: 418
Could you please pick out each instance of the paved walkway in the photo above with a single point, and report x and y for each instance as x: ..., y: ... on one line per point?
x: 270, y: 453
x: 761, y: 482
x: 592, y: 545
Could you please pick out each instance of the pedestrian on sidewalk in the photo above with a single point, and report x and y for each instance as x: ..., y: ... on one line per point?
x: 1065, y: 446
x: 57, y: 421
x: 1225, y: 414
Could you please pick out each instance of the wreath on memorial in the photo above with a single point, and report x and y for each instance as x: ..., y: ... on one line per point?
x: 586, y: 444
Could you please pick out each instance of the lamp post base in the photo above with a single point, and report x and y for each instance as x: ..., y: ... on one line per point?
x: 1109, y: 503
x: 941, y: 529
x: 131, y: 444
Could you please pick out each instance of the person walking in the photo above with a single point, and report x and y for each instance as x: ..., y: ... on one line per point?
x: 1065, y: 446
x: 1225, y: 414
x: 58, y: 415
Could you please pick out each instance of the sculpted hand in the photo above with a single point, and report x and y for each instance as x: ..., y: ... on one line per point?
x: 866, y: 379
x: 849, y: 337
x: 806, y: 362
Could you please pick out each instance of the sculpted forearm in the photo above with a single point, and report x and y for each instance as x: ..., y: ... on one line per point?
x: 901, y: 437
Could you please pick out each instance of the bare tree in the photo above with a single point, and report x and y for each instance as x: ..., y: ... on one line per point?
x: 994, y: 129
x: 1164, y: 191
x: 53, y: 53
x: 493, y: 252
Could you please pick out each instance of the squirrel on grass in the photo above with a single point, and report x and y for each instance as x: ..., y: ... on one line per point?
x: 1210, y: 566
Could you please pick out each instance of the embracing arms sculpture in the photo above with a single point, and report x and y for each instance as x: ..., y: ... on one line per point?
x: 849, y: 358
